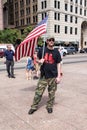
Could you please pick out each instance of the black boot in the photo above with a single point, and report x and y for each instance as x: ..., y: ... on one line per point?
x: 12, y: 76
x: 9, y: 76
x: 31, y: 111
x: 49, y: 110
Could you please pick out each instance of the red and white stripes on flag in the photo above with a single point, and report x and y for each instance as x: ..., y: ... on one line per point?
x: 27, y: 47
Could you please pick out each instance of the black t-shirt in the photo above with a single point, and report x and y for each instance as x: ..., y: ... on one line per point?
x: 52, y: 58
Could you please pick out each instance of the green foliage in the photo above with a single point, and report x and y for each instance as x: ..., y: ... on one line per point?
x: 26, y: 31
x: 40, y: 41
x: 9, y: 36
x: 14, y: 36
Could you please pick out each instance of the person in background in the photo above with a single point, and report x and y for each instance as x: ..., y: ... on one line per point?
x: 29, y: 68
x: 49, y: 77
x: 9, y: 54
x: 36, y: 65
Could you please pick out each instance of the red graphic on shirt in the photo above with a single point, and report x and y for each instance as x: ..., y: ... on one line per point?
x: 48, y: 58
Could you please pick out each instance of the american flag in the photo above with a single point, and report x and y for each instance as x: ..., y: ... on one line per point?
x: 27, y: 47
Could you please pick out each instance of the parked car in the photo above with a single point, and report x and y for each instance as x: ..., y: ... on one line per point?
x: 70, y: 50
x: 5, y: 46
x: 2, y: 50
x: 62, y: 50
x: 83, y: 50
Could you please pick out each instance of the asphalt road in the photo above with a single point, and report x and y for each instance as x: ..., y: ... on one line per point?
x: 77, y: 58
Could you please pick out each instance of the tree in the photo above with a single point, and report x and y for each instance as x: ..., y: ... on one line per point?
x: 26, y: 31
x: 15, y: 37
x: 40, y: 42
x: 9, y: 36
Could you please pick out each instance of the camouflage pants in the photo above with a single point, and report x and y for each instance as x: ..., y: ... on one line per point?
x: 42, y: 84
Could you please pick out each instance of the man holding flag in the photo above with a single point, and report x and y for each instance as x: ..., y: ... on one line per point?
x: 50, y: 75
x: 49, y: 58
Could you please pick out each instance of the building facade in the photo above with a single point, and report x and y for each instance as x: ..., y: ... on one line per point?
x: 22, y: 13
x: 67, y: 20
x: 1, y: 15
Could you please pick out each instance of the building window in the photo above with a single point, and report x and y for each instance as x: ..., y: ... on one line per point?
x: 71, y: 30
x: 34, y: 19
x: 66, y: 29
x: 80, y: 2
x: 80, y: 11
x: 66, y: 7
x: 75, y: 31
x: 84, y: 12
x: 44, y: 15
x: 28, y: 20
x: 85, y: 3
x: 71, y: 8
x: 21, y: 3
x: 43, y: 4
x: 57, y: 28
x: 71, y: 19
x: 57, y: 4
x: 16, y: 15
x: 36, y: 8
x: 57, y: 16
x: 27, y: 2
x: 17, y: 23
x: 76, y: 1
x: 85, y: 43
x: 22, y: 13
x: 16, y: 5
x: 66, y: 18
x: 33, y: 9
x: 76, y: 20
x: 22, y: 22
x: 76, y: 10
x: 28, y: 11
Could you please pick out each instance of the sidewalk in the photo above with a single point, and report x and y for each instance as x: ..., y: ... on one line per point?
x: 70, y: 109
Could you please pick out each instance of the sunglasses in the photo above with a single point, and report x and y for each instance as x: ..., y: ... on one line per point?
x: 52, y: 39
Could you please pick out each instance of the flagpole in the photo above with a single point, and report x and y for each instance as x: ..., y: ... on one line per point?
x: 44, y: 42
x: 44, y: 45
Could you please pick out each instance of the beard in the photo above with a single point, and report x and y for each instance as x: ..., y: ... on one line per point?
x: 51, y: 44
